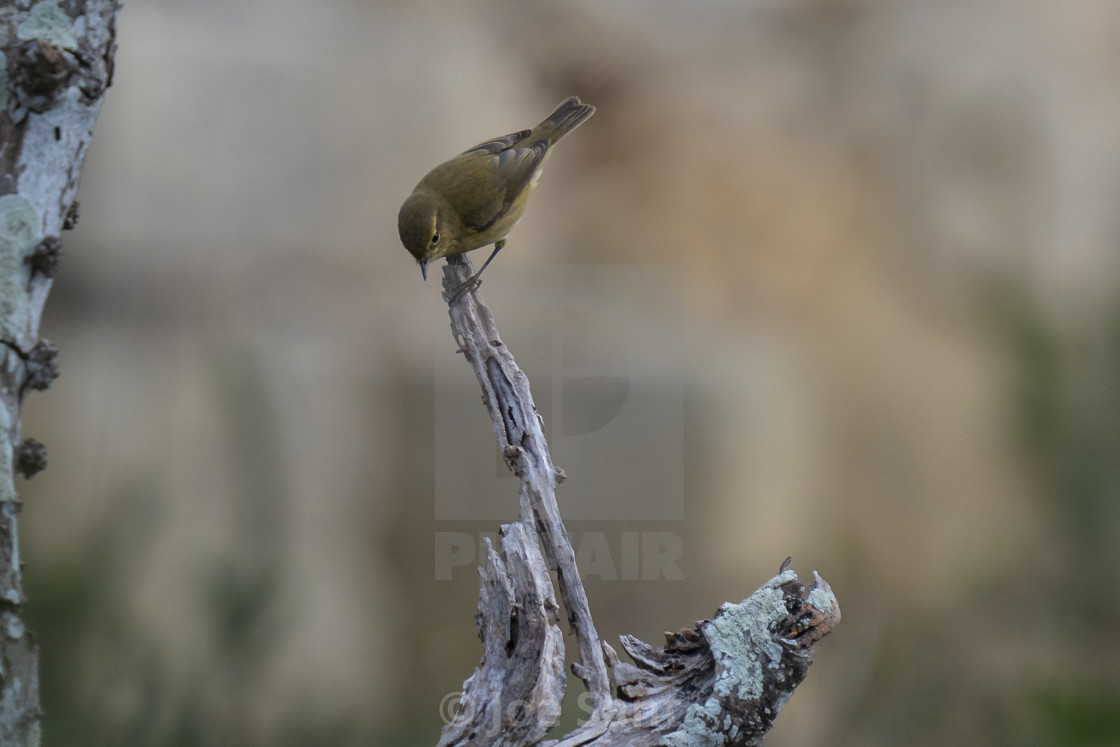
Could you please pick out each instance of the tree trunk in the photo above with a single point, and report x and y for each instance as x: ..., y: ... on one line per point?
x: 56, y: 66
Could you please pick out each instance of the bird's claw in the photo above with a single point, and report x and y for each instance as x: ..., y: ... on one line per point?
x: 470, y: 284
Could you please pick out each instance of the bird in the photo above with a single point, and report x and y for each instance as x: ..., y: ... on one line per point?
x: 475, y: 198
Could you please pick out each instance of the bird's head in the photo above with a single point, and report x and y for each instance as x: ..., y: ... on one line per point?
x: 428, y: 227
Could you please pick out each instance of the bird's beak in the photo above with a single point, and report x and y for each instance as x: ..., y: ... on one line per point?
x: 424, y: 268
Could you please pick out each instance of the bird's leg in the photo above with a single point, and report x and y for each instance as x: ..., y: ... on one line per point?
x: 473, y: 281
x: 497, y: 248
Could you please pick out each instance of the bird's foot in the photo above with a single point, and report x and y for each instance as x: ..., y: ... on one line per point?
x: 470, y: 284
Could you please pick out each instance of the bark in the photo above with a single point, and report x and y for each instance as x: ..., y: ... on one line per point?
x: 721, y: 682
x: 57, y: 61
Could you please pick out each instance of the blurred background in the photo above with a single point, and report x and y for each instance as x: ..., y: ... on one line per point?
x: 882, y: 238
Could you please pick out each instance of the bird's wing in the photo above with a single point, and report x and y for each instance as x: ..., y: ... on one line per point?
x: 512, y: 165
x: 498, y: 144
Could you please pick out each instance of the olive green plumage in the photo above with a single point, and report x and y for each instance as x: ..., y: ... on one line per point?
x: 475, y: 198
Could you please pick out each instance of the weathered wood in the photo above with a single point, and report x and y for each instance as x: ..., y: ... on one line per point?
x: 54, y: 68
x: 722, y: 682
x: 516, y: 691
x: 520, y: 434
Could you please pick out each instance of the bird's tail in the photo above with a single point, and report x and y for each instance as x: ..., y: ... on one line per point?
x: 568, y: 116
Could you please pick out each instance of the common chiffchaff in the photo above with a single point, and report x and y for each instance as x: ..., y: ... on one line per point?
x: 476, y: 198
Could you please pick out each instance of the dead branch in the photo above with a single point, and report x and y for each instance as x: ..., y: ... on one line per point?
x: 721, y: 682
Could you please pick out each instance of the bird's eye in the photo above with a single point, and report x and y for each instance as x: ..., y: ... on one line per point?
x: 435, y: 239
